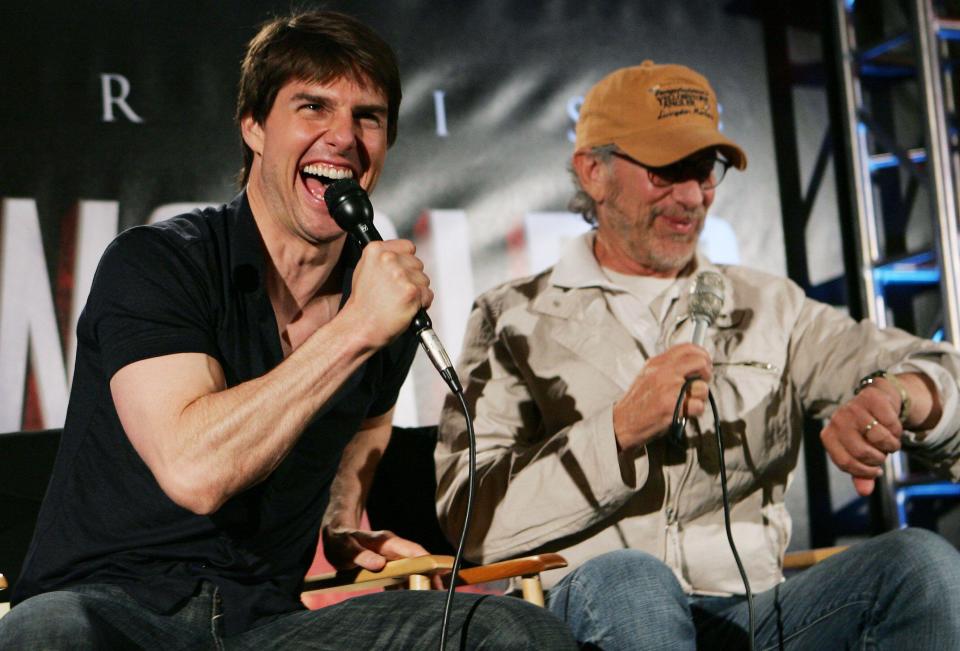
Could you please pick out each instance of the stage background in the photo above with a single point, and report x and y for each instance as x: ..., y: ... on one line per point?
x: 120, y: 112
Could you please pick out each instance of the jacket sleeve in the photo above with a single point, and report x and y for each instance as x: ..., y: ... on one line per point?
x: 533, y: 486
x: 829, y: 352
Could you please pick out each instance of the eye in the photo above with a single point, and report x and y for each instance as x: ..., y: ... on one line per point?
x: 370, y: 120
x: 704, y: 170
x: 313, y: 106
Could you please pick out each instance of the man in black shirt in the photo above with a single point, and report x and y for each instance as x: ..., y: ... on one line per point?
x: 236, y: 373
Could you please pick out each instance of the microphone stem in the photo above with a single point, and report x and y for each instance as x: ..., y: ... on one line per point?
x: 700, y: 330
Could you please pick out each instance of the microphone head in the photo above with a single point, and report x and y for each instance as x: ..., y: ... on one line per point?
x: 706, y: 296
x: 349, y: 205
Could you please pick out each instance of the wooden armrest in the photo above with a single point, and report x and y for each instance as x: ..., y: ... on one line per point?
x: 3, y: 582
x: 396, y: 572
x: 525, y: 566
x: 393, y: 573
x: 805, y: 559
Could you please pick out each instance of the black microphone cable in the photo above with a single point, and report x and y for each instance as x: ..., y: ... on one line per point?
x: 350, y: 207
x: 471, y: 482
x: 676, y: 431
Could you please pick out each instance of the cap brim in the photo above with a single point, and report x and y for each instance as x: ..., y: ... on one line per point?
x: 660, y: 147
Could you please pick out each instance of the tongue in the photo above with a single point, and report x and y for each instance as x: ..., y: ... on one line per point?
x: 315, y: 187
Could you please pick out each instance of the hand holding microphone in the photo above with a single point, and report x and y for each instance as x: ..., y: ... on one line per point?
x: 706, y: 301
x: 350, y: 207
x: 388, y: 289
x: 647, y: 409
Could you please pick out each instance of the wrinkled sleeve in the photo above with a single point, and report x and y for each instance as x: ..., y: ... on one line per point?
x: 396, y: 360
x: 533, y: 486
x: 830, y: 352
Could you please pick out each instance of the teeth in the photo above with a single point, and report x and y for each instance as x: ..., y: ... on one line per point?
x: 328, y: 171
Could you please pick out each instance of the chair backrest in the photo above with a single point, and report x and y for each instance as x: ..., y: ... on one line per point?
x: 27, y: 464
x: 402, y: 497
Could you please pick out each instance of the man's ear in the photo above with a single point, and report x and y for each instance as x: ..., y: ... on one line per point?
x: 592, y: 173
x: 252, y: 133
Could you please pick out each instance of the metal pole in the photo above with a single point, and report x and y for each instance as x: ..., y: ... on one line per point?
x: 855, y: 136
x: 939, y: 162
x: 867, y: 237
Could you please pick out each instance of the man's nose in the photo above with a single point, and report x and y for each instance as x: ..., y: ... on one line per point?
x: 341, y: 131
x: 688, y: 193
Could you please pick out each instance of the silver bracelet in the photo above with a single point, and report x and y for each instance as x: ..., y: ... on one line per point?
x: 867, y: 380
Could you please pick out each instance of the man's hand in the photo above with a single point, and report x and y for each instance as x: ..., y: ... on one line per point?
x: 346, y: 548
x: 646, y: 410
x: 389, y: 286
x: 861, y: 433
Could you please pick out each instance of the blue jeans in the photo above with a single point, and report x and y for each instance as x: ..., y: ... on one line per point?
x: 900, y: 590
x: 104, y: 617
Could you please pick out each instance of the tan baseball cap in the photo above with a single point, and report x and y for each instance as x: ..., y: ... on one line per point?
x: 657, y: 114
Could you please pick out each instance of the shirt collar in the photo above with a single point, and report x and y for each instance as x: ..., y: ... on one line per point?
x: 248, y: 252
x: 578, y: 268
x: 245, y: 246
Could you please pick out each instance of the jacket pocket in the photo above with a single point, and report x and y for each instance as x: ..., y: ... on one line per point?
x: 749, y: 397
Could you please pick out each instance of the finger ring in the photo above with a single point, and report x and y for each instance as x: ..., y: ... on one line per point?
x: 873, y: 423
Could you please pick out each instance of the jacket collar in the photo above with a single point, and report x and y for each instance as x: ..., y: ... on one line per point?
x: 575, y: 296
x: 578, y: 269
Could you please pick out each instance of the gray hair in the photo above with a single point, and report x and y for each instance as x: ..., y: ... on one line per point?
x: 582, y: 202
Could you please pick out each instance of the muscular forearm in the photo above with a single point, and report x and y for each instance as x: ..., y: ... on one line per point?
x: 358, y: 465
x: 345, y: 542
x: 228, y: 439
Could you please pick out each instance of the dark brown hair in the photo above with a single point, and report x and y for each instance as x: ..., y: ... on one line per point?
x: 314, y: 46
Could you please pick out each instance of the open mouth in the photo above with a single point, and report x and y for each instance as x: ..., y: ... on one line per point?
x: 678, y: 222
x: 317, y: 176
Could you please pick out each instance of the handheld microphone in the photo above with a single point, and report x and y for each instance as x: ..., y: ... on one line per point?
x: 706, y: 301
x: 350, y: 207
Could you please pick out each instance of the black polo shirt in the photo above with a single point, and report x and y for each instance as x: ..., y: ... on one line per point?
x: 193, y: 283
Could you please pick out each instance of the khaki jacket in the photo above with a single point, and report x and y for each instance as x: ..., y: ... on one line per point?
x: 543, y: 362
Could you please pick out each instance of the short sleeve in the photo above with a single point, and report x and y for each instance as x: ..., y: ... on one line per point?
x: 149, y: 298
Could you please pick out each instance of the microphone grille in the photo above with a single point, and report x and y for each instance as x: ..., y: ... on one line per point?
x: 348, y: 204
x: 706, y: 296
